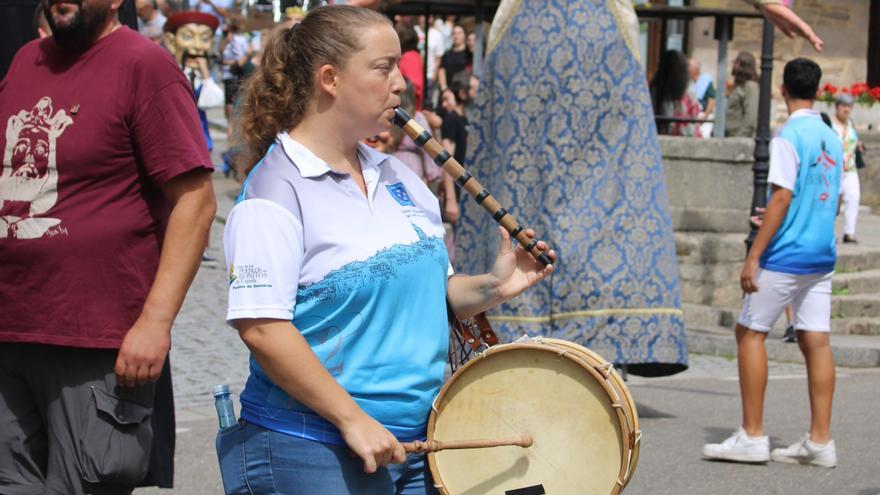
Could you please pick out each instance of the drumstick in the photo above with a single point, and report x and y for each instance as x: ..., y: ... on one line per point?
x: 467, y: 182
x: 435, y: 446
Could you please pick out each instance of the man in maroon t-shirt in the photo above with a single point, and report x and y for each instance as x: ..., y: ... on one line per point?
x: 105, y: 205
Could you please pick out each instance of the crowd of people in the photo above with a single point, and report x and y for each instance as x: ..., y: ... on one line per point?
x: 685, y: 97
x: 440, y: 87
x: 107, y: 201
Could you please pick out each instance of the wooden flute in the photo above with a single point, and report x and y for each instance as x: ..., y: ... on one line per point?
x: 467, y: 182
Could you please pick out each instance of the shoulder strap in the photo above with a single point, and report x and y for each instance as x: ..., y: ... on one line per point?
x: 467, y: 336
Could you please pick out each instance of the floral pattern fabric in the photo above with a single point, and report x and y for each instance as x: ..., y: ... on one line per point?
x: 563, y: 135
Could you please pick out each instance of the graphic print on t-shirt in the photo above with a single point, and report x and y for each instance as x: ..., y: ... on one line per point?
x: 29, y: 177
x: 827, y: 163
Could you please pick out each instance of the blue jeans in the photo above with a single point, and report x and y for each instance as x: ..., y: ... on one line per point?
x: 254, y: 460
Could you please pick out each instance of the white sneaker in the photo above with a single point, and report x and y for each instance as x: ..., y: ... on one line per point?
x: 805, y: 451
x: 739, y: 447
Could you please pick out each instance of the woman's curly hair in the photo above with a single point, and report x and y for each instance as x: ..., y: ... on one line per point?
x: 275, y: 96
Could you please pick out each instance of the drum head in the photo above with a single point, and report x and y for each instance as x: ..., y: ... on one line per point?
x: 530, y: 389
x: 629, y: 405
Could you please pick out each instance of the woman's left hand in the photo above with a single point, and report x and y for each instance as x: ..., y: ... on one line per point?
x: 515, y: 269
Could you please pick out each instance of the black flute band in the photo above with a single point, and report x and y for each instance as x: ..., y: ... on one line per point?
x: 516, y: 230
x: 482, y: 195
x: 442, y: 157
x: 499, y: 214
x: 531, y: 245
x: 466, y: 176
x: 423, y: 138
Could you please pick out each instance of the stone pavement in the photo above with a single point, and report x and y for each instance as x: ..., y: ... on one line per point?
x: 205, y: 351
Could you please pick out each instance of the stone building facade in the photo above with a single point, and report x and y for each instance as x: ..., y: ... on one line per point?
x: 842, y: 24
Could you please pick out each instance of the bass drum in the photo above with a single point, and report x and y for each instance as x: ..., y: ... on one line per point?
x: 572, y: 403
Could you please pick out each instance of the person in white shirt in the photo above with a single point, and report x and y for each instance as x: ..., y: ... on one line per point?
x: 338, y: 274
x: 150, y: 19
x: 436, y: 48
x: 843, y: 126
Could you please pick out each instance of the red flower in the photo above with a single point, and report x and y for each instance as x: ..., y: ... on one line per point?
x: 875, y: 93
x: 858, y: 89
x: 829, y: 88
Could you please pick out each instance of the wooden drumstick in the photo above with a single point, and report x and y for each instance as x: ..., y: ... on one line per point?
x: 467, y: 182
x: 436, y: 446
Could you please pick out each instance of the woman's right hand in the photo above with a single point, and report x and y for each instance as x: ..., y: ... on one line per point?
x: 370, y: 441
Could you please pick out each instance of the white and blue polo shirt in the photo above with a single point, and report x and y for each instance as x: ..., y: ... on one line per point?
x: 807, y: 159
x: 362, y: 278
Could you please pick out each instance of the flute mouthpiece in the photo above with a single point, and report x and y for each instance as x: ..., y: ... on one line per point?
x: 400, y: 117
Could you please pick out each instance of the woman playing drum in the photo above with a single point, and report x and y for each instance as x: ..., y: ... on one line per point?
x: 338, y: 275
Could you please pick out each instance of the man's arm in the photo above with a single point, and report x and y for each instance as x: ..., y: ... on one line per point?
x: 143, y: 351
x: 710, y: 106
x: 781, y: 178
x: 710, y: 99
x: 776, y: 211
x: 437, y: 66
x: 788, y: 22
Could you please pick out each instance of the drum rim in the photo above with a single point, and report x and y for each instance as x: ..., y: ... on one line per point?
x: 539, y: 345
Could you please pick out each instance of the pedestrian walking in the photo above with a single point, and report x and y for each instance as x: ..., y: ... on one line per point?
x: 105, y: 205
x: 338, y: 275
x: 845, y: 128
x: 791, y: 262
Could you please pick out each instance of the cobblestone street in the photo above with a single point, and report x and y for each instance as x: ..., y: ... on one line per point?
x: 205, y: 351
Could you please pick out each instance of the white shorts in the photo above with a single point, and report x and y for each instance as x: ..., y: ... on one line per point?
x: 809, y: 295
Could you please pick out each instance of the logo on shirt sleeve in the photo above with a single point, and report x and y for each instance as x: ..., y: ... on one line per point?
x: 248, y: 277
x: 232, y: 276
x: 398, y: 192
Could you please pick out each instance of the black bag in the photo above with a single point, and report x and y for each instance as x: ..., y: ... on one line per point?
x: 860, y: 160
